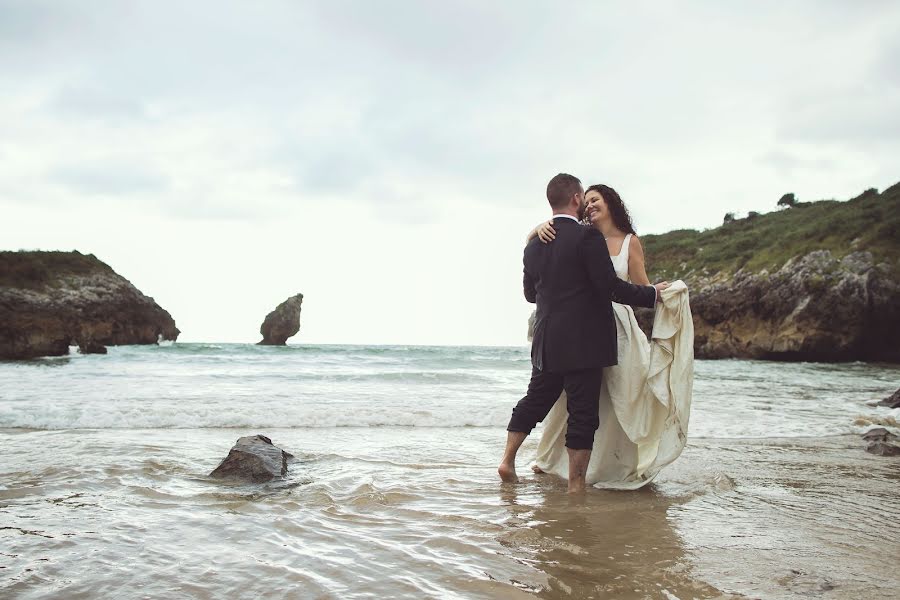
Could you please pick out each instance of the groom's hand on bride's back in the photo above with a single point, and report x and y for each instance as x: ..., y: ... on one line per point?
x: 662, y: 285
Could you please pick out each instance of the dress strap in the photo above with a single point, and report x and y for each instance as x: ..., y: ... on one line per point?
x: 626, y: 244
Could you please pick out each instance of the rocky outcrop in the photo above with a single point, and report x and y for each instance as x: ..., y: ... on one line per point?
x: 815, y: 308
x: 51, y: 300
x: 880, y: 442
x: 282, y: 323
x: 892, y: 401
x: 255, y: 459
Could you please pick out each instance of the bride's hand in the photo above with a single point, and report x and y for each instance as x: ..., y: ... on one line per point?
x: 546, y: 232
x: 662, y: 285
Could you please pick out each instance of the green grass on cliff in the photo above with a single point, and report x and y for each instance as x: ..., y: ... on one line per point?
x: 870, y: 222
x: 37, y: 269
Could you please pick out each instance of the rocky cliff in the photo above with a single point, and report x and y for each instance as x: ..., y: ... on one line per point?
x: 51, y: 300
x: 817, y: 281
x: 815, y: 307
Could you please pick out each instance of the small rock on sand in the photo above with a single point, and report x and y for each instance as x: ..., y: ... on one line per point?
x: 880, y: 444
x: 253, y: 458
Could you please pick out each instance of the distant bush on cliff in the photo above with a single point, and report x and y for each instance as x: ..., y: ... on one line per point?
x: 787, y: 200
x: 869, y: 222
x: 36, y: 269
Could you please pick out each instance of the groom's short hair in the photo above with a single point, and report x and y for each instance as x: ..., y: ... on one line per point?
x: 561, y: 189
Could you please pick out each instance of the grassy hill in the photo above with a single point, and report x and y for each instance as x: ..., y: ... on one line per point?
x: 36, y: 269
x: 869, y: 222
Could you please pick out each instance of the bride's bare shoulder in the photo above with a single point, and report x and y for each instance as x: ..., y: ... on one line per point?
x: 635, y: 243
x: 635, y: 249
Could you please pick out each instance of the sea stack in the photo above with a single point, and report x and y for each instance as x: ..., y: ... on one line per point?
x: 51, y: 300
x: 282, y: 323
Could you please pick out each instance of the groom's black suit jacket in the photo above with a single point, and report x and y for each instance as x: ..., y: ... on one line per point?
x: 573, y: 282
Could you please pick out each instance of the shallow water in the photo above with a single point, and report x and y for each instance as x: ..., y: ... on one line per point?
x: 242, y: 385
x: 109, y: 497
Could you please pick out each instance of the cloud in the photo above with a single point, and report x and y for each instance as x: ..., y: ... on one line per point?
x: 29, y: 20
x: 864, y: 115
x: 109, y: 179
x: 787, y: 162
x: 465, y: 41
x: 96, y: 103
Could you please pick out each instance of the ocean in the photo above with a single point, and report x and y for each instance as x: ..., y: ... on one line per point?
x: 104, y: 489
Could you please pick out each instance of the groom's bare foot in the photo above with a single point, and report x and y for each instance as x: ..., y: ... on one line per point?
x: 576, y: 487
x: 507, y: 473
x: 507, y: 468
x: 578, y: 462
x: 537, y: 470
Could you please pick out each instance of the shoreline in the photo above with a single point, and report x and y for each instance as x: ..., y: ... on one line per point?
x: 312, y: 346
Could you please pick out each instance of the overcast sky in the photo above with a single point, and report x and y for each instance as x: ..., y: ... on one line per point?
x: 387, y: 158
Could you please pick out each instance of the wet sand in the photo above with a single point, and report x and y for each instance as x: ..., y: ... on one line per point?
x: 418, y: 512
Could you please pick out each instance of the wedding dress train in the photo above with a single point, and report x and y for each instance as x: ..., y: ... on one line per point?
x: 645, y: 401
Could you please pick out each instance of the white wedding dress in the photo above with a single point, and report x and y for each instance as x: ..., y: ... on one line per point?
x: 645, y: 401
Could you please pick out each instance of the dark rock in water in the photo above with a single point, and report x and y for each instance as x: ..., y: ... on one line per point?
x: 805, y: 584
x: 880, y: 444
x: 253, y: 458
x: 883, y: 449
x: 879, y: 434
x: 892, y: 401
x: 51, y: 300
x: 91, y: 347
x: 282, y: 323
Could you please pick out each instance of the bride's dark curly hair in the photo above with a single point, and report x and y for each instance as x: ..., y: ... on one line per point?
x: 621, y: 218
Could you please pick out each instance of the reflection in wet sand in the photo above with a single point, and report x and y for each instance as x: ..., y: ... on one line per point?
x: 809, y: 517
x: 605, y: 544
x: 788, y: 518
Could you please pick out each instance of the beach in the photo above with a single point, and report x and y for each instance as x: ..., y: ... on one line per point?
x: 393, y: 492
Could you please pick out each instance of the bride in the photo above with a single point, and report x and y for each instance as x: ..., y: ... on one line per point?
x: 645, y: 400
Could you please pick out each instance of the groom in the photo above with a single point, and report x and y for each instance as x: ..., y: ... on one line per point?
x: 574, y: 284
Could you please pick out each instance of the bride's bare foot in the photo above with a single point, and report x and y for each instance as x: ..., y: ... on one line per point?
x: 507, y: 473
x: 537, y: 470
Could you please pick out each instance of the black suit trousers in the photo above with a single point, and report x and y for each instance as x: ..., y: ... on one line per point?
x: 583, y: 392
